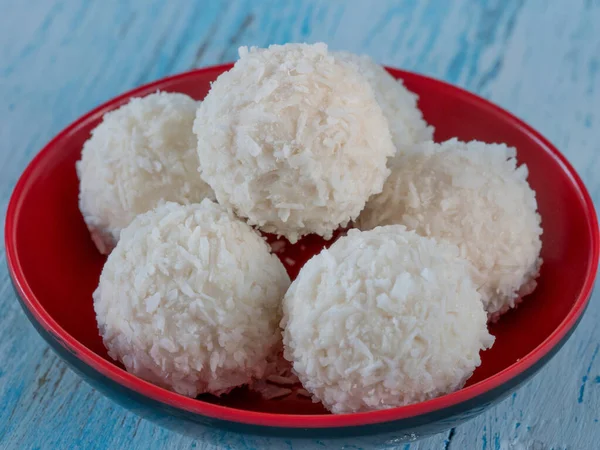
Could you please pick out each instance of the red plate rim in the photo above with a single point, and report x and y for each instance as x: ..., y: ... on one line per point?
x: 194, y: 406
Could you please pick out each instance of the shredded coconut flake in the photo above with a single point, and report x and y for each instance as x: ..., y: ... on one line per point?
x: 303, y: 393
x: 285, y: 381
x: 271, y: 391
x: 278, y: 246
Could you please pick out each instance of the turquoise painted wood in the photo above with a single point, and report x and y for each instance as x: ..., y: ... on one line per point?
x: 540, y: 59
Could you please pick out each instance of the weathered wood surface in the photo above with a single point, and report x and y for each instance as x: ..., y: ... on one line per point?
x: 539, y: 59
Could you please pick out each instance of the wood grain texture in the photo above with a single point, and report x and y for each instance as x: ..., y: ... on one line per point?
x: 58, y: 59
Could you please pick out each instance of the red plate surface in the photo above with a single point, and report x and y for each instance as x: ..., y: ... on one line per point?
x: 56, y: 266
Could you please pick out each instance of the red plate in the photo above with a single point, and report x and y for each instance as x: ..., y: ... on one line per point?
x: 55, y: 265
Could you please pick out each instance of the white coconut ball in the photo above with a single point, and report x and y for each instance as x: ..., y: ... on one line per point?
x: 383, y: 318
x: 141, y: 155
x: 293, y: 140
x: 476, y: 196
x: 190, y: 299
x: 399, y: 105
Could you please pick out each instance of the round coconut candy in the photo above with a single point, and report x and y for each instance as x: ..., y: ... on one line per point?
x: 293, y: 140
x: 399, y: 105
x: 190, y: 299
x: 383, y: 318
x: 140, y: 156
x: 475, y: 196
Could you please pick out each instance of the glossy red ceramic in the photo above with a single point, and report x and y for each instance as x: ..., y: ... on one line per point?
x: 55, y: 267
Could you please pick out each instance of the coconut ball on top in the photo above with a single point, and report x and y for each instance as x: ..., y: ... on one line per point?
x: 293, y: 140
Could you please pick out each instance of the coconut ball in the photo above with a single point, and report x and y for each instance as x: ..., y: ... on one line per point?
x: 141, y: 155
x: 383, y: 318
x: 293, y: 140
x: 190, y: 299
x: 475, y: 196
x: 399, y: 105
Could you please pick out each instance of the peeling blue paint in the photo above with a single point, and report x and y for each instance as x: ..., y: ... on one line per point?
x: 587, y: 374
x: 484, y: 439
x: 337, y: 18
x: 306, y: 22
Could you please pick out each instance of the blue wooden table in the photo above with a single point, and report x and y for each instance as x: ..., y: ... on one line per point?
x: 540, y: 59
